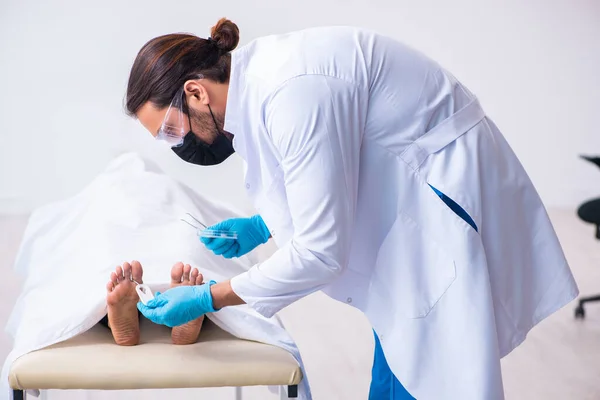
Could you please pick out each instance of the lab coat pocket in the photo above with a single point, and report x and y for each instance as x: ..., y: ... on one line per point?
x: 413, y: 269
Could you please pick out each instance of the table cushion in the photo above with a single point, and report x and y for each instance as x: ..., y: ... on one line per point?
x: 92, y: 361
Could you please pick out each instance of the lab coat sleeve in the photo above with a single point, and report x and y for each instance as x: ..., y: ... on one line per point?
x: 315, y: 123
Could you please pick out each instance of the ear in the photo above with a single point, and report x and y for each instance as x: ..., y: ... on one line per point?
x: 195, y: 93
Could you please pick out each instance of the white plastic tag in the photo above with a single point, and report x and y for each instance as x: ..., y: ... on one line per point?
x: 144, y: 293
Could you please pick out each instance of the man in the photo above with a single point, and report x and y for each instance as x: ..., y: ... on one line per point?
x: 383, y: 183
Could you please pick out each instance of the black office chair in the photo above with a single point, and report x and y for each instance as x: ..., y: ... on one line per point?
x: 589, y: 212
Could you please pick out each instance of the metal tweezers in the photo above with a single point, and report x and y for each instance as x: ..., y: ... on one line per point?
x: 195, y: 219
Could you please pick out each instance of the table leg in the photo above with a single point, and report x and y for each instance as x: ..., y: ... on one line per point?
x: 290, y: 393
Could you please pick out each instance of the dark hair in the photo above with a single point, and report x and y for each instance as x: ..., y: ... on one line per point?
x: 166, y: 62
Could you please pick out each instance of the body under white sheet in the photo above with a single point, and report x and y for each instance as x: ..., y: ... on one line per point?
x: 131, y: 211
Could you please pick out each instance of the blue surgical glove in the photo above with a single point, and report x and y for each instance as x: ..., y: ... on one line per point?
x: 179, y: 305
x: 251, y: 232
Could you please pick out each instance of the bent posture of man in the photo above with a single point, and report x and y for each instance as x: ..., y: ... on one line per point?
x: 383, y: 183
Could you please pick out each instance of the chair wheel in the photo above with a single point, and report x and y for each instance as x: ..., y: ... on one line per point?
x: 580, y: 312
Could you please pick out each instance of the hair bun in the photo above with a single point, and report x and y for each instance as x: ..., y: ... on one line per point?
x: 226, y: 35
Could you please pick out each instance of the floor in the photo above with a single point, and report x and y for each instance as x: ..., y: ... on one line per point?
x: 559, y: 360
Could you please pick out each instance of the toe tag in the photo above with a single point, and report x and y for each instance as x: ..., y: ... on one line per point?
x: 144, y: 293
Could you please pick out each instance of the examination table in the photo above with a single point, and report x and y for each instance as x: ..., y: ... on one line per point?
x: 93, y: 361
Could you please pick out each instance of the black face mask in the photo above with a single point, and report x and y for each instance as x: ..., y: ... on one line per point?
x: 196, y: 151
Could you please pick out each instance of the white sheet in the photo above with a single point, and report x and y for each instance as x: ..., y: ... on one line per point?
x: 130, y: 211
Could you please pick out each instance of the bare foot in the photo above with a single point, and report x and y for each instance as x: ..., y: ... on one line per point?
x: 122, y: 301
x: 184, y: 276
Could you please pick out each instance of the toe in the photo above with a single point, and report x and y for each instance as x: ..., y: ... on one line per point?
x: 186, y: 273
x: 127, y: 271
x: 119, y: 272
x: 114, y: 279
x: 136, y: 271
x: 199, y: 279
x: 110, y: 286
x: 194, y: 276
x: 177, y: 273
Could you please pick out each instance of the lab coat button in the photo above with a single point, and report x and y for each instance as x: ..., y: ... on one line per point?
x: 247, y: 186
x: 349, y: 300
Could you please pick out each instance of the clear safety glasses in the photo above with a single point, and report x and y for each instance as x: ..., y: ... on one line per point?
x: 172, y: 131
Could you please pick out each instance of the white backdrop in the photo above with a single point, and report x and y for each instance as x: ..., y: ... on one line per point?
x: 64, y: 67
x: 63, y: 72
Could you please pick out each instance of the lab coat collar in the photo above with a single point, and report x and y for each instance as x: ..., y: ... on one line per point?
x: 233, y: 116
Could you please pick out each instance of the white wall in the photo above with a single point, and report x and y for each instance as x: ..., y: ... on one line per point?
x: 64, y: 67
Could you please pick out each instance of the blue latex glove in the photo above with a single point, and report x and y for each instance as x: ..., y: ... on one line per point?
x: 179, y: 305
x: 251, y: 232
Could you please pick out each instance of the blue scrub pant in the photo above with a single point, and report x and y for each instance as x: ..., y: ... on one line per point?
x: 384, y: 385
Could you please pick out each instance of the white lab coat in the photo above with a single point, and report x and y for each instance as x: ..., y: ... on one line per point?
x: 342, y: 130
